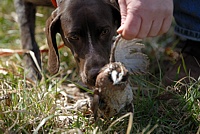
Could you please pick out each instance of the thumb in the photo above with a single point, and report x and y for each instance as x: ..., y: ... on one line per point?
x: 123, y: 10
x: 120, y: 29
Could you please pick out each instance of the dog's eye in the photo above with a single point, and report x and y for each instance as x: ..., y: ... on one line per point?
x: 105, y: 31
x: 74, y: 37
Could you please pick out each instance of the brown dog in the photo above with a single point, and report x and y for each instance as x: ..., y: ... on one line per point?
x: 86, y: 27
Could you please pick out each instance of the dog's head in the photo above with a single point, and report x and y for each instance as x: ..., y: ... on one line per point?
x: 87, y: 28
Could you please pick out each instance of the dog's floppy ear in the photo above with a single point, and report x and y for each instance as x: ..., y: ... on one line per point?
x: 113, y: 3
x: 52, y: 28
x: 116, y: 10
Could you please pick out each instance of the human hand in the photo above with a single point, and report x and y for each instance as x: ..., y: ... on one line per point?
x: 144, y: 18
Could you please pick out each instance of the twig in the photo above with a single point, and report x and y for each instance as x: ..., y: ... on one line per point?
x: 9, y: 52
x: 130, y: 123
x: 112, y: 53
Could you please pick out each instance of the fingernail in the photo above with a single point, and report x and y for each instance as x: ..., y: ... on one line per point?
x: 120, y: 29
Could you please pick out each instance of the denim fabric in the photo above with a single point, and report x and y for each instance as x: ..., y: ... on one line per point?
x: 187, y: 18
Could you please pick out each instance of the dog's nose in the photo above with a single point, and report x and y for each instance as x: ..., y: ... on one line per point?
x: 92, y: 75
x: 92, y: 66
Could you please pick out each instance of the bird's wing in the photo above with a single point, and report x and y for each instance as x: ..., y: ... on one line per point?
x: 129, y: 52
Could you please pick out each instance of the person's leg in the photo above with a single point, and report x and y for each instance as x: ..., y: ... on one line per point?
x: 187, y: 18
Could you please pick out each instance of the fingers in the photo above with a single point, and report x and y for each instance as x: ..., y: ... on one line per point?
x: 166, y: 25
x: 139, y: 20
x: 160, y: 27
x: 155, y: 28
x: 130, y: 28
x: 143, y: 28
x: 123, y: 10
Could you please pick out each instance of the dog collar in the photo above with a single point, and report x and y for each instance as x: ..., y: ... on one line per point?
x: 54, y: 3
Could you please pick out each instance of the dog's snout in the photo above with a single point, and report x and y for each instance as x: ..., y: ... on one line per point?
x: 92, y: 68
x: 92, y: 74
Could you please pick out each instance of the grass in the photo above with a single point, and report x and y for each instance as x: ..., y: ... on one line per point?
x: 47, y: 107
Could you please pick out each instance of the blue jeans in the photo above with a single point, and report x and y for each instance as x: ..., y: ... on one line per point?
x: 187, y: 18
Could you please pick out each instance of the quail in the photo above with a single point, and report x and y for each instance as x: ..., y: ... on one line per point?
x: 112, y: 91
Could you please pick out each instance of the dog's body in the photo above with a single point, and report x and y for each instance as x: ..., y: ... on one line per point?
x: 86, y: 27
x: 39, y: 2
